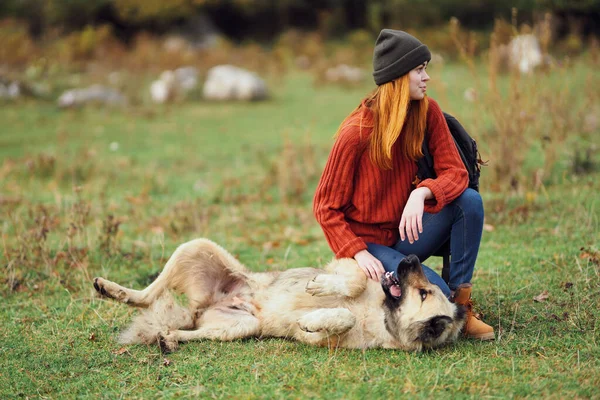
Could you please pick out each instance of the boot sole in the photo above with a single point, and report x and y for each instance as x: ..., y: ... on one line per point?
x: 483, y: 336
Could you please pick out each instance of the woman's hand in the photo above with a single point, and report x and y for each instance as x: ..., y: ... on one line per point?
x: 371, y: 266
x: 411, y: 223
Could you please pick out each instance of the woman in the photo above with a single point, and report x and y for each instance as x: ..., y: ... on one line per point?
x: 370, y: 204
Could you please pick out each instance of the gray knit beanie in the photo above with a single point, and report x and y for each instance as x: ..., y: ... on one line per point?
x: 396, y: 53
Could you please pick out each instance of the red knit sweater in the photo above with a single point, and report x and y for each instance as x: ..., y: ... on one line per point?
x: 356, y: 202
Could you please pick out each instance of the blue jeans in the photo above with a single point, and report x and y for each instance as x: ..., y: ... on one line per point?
x: 460, y: 221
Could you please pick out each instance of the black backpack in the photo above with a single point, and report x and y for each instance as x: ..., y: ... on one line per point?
x: 467, y: 148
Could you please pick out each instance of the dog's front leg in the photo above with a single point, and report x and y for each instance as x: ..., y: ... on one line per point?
x: 346, y: 279
x: 329, y: 321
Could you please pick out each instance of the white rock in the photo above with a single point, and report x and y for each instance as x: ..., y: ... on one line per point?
x: 227, y: 82
x: 525, y: 53
x: 163, y: 89
x: 345, y: 73
x: 14, y: 90
x: 160, y: 91
x: 10, y: 90
x: 173, y: 84
x: 186, y: 78
x: 93, y: 94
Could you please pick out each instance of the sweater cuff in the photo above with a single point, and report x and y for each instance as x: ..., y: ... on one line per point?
x: 351, y: 248
x: 436, y: 204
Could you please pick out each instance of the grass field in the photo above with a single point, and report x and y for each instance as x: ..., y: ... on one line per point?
x: 100, y: 192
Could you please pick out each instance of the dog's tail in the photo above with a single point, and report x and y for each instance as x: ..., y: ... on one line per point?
x: 164, y: 315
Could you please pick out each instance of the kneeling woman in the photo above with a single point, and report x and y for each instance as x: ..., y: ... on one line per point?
x: 368, y: 201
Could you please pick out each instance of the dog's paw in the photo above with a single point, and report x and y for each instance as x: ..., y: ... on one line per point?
x: 110, y: 290
x: 325, y: 285
x: 99, y: 286
x: 168, y: 342
x: 308, y: 326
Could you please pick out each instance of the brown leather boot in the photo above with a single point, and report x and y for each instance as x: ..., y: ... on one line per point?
x: 474, y: 328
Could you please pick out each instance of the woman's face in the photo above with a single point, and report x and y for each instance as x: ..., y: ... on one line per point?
x: 418, y: 82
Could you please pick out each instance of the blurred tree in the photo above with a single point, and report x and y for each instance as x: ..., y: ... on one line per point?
x: 72, y: 13
x: 579, y: 17
x: 472, y: 13
x: 66, y: 14
x: 263, y: 19
x: 30, y: 11
x: 587, y: 6
x: 155, y: 11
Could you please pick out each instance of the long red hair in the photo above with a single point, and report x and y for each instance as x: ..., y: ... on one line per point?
x: 393, y: 113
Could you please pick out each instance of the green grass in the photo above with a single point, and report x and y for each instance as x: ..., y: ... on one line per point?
x: 222, y: 171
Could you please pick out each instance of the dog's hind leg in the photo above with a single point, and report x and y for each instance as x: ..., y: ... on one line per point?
x: 140, y: 298
x: 223, y: 322
x: 197, y: 268
x: 132, y: 297
x: 345, y: 279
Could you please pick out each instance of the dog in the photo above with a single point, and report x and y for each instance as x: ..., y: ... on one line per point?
x: 335, y: 307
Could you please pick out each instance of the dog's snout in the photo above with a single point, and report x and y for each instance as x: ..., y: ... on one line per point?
x: 409, y: 264
x: 413, y: 259
x: 410, y: 261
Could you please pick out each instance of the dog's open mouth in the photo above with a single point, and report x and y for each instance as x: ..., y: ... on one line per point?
x: 390, y: 283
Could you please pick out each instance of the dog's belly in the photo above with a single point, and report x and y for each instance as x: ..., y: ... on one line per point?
x: 282, y: 301
x: 285, y: 300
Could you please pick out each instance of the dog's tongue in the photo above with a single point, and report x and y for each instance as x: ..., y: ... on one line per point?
x: 395, y: 290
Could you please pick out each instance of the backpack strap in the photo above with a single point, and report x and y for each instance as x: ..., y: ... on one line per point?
x: 425, y: 164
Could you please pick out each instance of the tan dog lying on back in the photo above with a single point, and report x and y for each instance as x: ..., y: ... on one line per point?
x: 337, y: 306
